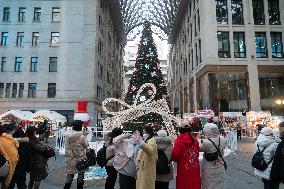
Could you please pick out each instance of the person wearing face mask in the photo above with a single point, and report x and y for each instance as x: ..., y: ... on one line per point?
x: 147, y: 158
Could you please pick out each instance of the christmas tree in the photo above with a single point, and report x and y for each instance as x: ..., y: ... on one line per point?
x: 147, y: 70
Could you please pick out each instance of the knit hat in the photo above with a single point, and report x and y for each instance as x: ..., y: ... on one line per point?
x: 211, y: 130
x: 162, y: 133
x: 184, y: 124
x: 267, y: 131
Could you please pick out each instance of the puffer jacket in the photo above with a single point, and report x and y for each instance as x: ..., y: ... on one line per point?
x: 270, y: 143
x: 186, y: 153
x: 165, y: 144
x: 76, y: 145
x: 38, y: 163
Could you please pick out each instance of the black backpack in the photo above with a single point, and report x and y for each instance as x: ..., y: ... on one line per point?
x: 101, y: 157
x: 163, y: 164
x: 91, y: 156
x: 2, y: 160
x: 258, y: 161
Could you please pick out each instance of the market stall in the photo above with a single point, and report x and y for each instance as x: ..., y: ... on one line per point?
x: 17, y: 116
x: 52, y: 117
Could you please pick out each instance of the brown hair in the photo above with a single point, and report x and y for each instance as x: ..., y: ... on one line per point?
x: 281, y: 124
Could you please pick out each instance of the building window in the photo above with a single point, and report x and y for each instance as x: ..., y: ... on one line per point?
x: 1, y: 90
x: 276, y: 44
x: 4, y: 38
x: 239, y: 45
x: 14, y: 91
x: 196, y: 55
x: 18, y: 64
x: 22, y: 14
x: 4, y: 64
x: 20, y: 39
x: 35, y: 39
x: 237, y: 12
x: 21, y: 90
x: 55, y: 14
x: 99, y: 93
x: 32, y: 90
x: 223, y: 45
x: 274, y: 13
x: 37, y: 14
x: 8, y: 90
x: 261, y: 45
x: 100, y: 70
x: 108, y: 77
x: 258, y: 12
x: 53, y: 64
x: 221, y: 12
x: 34, y: 64
x: 54, y: 39
x: 51, y: 91
x: 6, y: 14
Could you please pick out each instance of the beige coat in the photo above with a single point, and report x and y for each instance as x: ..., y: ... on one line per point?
x: 146, y: 173
x: 76, y: 145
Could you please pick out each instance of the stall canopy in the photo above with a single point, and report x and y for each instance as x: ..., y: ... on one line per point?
x: 49, y: 115
x: 16, y: 114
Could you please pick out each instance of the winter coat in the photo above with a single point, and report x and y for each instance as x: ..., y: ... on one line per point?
x: 8, y: 147
x: 76, y: 145
x: 186, y: 153
x: 277, y: 170
x: 271, y: 145
x: 120, y: 159
x: 213, y: 172
x: 22, y: 166
x: 165, y: 144
x: 38, y: 163
x: 110, y: 151
x: 146, y: 173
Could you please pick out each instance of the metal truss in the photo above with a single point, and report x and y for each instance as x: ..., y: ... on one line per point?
x: 161, y: 13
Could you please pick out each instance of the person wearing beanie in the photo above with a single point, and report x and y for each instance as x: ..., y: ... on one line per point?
x: 164, y: 145
x: 185, y: 153
x: 268, y: 142
x: 213, y: 169
x: 76, y: 146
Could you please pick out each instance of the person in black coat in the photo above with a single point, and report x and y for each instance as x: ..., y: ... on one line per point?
x: 20, y: 174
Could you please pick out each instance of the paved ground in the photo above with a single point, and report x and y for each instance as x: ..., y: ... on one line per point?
x: 240, y: 174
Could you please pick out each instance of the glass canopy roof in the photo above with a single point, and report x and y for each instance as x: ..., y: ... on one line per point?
x: 160, y: 13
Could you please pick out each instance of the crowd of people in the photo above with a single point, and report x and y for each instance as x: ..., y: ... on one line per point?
x: 140, y: 160
x: 22, y: 152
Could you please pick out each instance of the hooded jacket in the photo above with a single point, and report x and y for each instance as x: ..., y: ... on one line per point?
x: 8, y: 147
x: 76, y: 145
x: 186, y: 153
x: 270, y: 143
x: 165, y: 144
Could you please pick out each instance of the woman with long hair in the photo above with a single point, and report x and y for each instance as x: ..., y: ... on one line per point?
x: 38, y: 163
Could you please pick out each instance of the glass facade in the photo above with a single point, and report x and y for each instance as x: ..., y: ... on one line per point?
x: 239, y: 45
x: 223, y: 45
x: 237, y: 12
x: 276, y: 44
x: 274, y: 12
x: 223, y: 91
x: 271, y: 86
x: 261, y: 45
x: 258, y: 12
x: 221, y: 12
